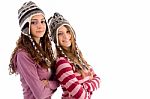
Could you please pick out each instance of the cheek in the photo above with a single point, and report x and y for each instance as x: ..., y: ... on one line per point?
x: 45, y: 26
x: 32, y: 30
x: 59, y: 39
x: 70, y: 36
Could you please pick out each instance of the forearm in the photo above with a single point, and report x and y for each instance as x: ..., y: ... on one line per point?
x: 92, y: 85
x: 68, y: 79
x: 28, y: 71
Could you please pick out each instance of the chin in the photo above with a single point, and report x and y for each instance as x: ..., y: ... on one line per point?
x: 40, y: 35
x: 68, y: 45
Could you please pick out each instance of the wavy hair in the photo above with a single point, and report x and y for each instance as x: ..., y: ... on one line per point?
x: 73, y: 54
x: 24, y: 43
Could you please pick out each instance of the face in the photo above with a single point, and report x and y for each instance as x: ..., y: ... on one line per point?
x: 38, y: 26
x: 64, y: 37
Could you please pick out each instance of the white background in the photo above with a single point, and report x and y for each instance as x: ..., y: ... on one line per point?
x: 112, y: 34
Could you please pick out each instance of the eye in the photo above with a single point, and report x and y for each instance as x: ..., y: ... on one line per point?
x: 60, y: 33
x: 43, y: 22
x: 68, y: 32
x: 34, y: 22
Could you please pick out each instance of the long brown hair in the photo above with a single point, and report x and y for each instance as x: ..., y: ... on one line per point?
x: 24, y: 43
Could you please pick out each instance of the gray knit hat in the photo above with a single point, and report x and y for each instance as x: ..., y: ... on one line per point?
x: 25, y: 13
x: 55, y: 22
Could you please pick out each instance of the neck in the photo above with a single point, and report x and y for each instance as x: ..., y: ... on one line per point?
x: 37, y: 40
x: 68, y: 49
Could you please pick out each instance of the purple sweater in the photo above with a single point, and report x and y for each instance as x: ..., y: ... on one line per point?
x: 31, y: 75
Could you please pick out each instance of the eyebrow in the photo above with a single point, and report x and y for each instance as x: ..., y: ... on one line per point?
x: 60, y: 31
x: 37, y: 19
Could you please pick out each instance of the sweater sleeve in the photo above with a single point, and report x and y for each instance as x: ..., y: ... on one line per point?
x: 53, y: 85
x: 92, y: 85
x: 68, y: 79
x: 27, y: 69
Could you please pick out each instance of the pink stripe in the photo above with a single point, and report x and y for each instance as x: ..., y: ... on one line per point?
x: 94, y: 85
x: 70, y: 82
x: 75, y: 90
x: 62, y: 66
x: 83, y: 95
x: 64, y: 75
x: 98, y: 81
x: 88, y: 86
x: 60, y: 58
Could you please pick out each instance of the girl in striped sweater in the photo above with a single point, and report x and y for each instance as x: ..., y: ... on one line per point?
x: 76, y: 76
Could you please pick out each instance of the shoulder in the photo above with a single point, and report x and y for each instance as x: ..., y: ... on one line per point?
x: 58, y: 59
x: 23, y: 55
x: 21, y: 51
x: 62, y: 61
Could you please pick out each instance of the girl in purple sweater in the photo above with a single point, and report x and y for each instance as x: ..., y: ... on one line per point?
x: 33, y: 57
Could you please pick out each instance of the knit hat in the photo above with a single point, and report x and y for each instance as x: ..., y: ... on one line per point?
x: 25, y: 13
x: 56, y: 21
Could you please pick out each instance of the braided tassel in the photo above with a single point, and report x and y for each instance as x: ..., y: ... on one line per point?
x: 79, y: 58
x: 46, y: 60
x: 76, y: 65
x: 51, y: 50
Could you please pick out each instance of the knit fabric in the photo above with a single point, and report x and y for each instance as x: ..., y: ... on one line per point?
x: 24, y: 15
x: 31, y: 75
x: 73, y: 85
x: 55, y: 22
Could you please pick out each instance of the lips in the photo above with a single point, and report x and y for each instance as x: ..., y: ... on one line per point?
x: 66, y: 41
x: 39, y: 31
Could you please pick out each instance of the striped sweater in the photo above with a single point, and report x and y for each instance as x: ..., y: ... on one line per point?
x: 73, y: 85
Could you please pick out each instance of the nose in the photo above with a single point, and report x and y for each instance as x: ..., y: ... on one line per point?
x: 67, y: 36
x: 39, y: 25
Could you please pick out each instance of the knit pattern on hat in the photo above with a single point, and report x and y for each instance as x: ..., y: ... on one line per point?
x: 24, y: 15
x: 56, y: 21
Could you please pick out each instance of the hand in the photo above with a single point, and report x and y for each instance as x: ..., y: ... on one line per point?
x: 91, y: 77
x: 91, y: 74
x: 45, y: 82
x: 54, y: 84
x: 88, y: 73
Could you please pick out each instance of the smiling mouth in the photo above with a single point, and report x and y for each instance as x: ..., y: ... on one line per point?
x: 39, y: 31
x: 66, y: 41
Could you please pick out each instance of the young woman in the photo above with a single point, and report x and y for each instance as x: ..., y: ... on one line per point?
x: 75, y: 75
x: 33, y: 58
